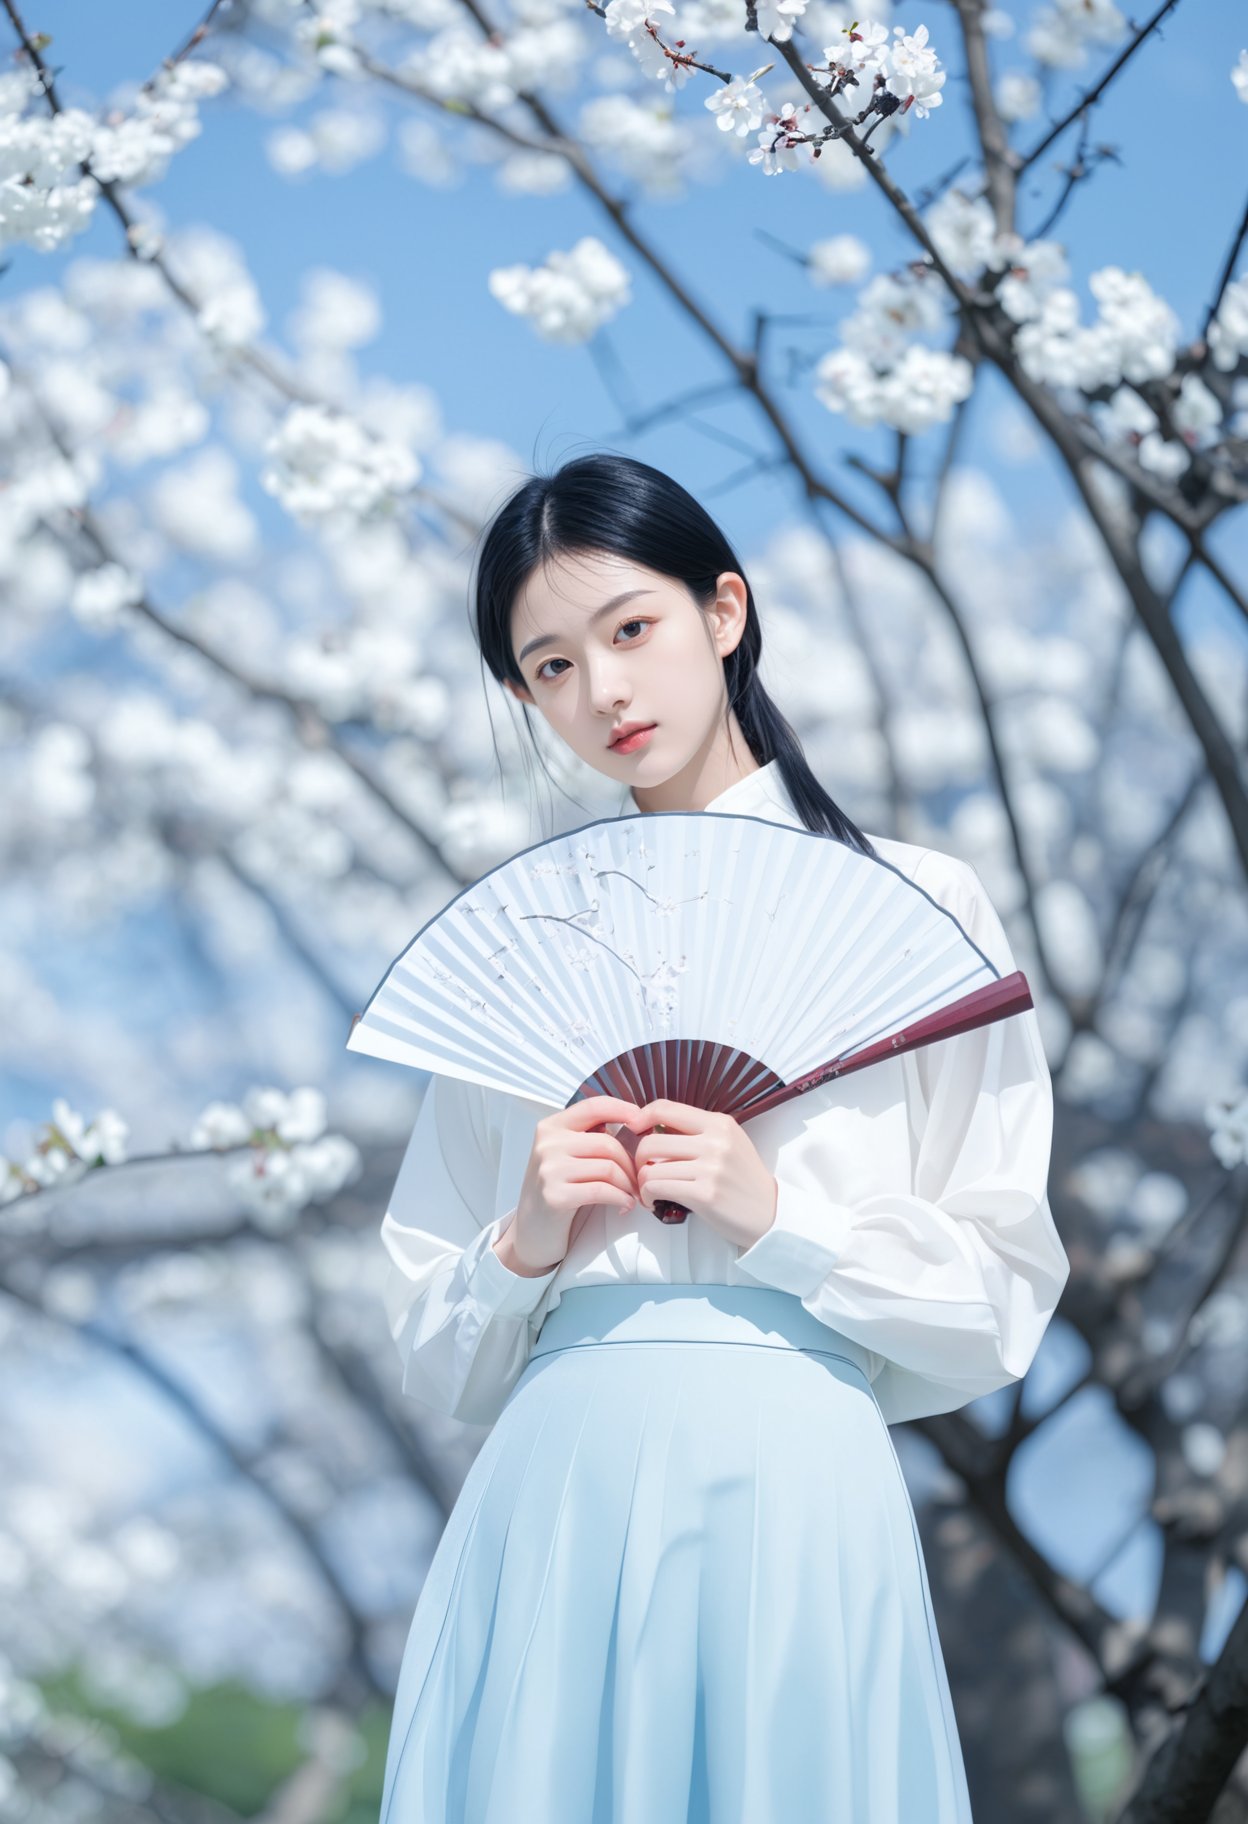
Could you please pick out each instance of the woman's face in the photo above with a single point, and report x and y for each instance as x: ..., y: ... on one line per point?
x: 603, y: 642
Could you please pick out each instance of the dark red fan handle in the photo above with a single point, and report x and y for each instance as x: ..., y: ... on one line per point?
x: 667, y: 1211
x: 664, y: 1208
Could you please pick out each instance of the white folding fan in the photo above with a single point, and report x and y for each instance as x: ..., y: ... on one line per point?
x: 719, y: 960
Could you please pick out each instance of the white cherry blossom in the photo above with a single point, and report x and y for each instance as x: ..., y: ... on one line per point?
x: 1144, y: 327
x: 1032, y: 271
x: 1060, y: 35
x: 1018, y: 96
x: 1162, y: 456
x: 783, y: 144
x: 326, y: 28
x: 222, y: 1124
x: 624, y: 19
x: 335, y: 311
x: 1197, y: 412
x: 101, y: 596
x: 1228, y: 333
x: 862, y: 48
x: 892, y: 309
x: 963, y: 231
x: 1134, y: 338
x: 915, y: 74
x: 644, y: 139
x: 776, y: 18
x: 324, y: 466
x: 1227, y: 1121
x: 1239, y: 76
x: 137, y: 148
x: 739, y: 107
x: 627, y: 20
x: 44, y: 196
x: 919, y: 390
x: 570, y: 296
x: 841, y: 260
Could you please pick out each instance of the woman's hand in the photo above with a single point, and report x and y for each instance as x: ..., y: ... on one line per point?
x: 710, y: 1164
x: 569, y: 1166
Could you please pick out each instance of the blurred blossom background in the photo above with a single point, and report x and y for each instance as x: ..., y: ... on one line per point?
x: 293, y: 293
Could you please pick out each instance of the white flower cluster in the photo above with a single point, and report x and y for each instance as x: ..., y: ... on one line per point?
x: 880, y: 375
x: 1127, y: 419
x: 212, y: 267
x: 863, y: 69
x: 45, y: 195
x: 41, y: 486
x: 740, y: 106
x: 569, y: 297
x: 910, y: 70
x: 68, y: 1148
x: 627, y: 19
x: 138, y: 148
x: 784, y: 144
x: 544, y: 50
x: 1061, y: 34
x: 377, y: 674
x: 643, y: 138
x: 906, y: 69
x: 325, y: 28
x: 100, y: 596
x: 776, y: 18
x: 1135, y: 337
x: 1227, y: 1121
x: 1228, y: 333
x: 326, y: 468
x: 964, y: 233
x: 1239, y: 76
x: 919, y: 390
x: 841, y: 260
x: 331, y: 139
x: 1018, y: 96
x: 292, y: 1161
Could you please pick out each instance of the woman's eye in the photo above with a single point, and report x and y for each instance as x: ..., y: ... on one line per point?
x: 623, y: 624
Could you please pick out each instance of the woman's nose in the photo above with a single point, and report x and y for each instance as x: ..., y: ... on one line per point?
x: 607, y: 693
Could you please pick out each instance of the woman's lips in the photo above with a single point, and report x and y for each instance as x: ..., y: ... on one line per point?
x: 635, y: 740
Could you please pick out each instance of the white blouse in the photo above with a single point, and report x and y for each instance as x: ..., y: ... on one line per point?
x: 911, y: 1215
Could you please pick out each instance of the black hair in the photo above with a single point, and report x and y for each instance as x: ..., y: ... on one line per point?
x: 614, y: 503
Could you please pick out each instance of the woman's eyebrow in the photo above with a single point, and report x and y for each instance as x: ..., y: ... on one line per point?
x: 552, y: 639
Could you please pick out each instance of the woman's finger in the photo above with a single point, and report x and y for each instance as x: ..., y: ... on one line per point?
x: 667, y: 1146
x: 594, y: 1111
x: 679, y: 1186
x: 612, y: 1174
x: 599, y: 1146
x: 681, y: 1116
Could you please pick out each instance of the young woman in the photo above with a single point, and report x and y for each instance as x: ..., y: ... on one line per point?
x: 682, y: 1582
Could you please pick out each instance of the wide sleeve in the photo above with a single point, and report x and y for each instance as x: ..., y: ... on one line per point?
x: 463, y: 1322
x: 953, y: 1277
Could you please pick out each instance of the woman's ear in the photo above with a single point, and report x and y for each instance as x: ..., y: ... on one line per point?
x: 729, y: 611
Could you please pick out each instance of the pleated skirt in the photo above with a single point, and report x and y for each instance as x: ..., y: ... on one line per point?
x: 682, y: 1584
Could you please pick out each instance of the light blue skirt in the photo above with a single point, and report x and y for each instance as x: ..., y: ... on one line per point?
x: 682, y: 1584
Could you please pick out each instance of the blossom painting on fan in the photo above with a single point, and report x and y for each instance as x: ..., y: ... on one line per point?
x: 683, y: 1582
